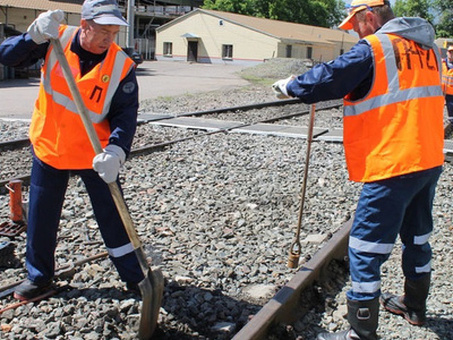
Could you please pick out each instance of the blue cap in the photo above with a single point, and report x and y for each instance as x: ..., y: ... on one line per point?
x: 103, y: 12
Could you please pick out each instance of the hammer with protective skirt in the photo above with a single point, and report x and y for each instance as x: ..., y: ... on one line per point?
x: 152, y: 286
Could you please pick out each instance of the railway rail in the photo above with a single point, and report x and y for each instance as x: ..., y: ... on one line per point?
x: 21, y: 142
x: 259, y: 320
x: 143, y: 149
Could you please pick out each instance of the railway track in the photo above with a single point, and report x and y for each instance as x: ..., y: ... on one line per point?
x: 166, y: 148
x: 259, y: 320
x: 22, y: 143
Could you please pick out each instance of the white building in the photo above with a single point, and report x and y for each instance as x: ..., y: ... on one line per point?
x: 209, y: 36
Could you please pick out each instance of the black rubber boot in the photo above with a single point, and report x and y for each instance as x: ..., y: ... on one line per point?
x: 412, y: 306
x: 363, y: 316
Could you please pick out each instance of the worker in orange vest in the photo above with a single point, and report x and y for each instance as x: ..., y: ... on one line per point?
x: 447, y: 81
x: 393, y: 141
x: 106, y: 78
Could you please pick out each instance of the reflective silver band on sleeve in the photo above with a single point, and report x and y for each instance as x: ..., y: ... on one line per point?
x: 121, y: 251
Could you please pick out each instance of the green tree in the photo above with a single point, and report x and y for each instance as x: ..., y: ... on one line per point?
x: 235, y: 6
x: 324, y: 13
x: 444, y: 28
x: 413, y: 8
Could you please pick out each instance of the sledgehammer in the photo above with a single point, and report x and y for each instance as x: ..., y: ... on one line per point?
x: 152, y: 286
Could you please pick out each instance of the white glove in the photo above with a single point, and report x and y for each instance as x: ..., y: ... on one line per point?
x: 279, y: 87
x: 108, y: 163
x: 46, y: 26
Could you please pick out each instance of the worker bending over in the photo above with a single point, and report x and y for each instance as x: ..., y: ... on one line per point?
x: 393, y: 139
x: 106, y: 79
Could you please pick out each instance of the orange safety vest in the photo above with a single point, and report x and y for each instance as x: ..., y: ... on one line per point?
x: 397, y: 128
x: 447, y: 78
x: 56, y: 130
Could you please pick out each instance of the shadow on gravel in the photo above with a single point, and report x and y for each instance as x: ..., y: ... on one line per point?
x: 187, y: 312
x: 320, y: 299
x: 316, y: 300
x: 196, y: 313
x: 441, y: 326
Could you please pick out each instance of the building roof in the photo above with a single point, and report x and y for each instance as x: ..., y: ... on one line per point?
x: 444, y: 42
x: 283, y: 30
x: 69, y: 6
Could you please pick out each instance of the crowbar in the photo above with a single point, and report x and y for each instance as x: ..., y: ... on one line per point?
x: 152, y: 286
x: 295, y: 248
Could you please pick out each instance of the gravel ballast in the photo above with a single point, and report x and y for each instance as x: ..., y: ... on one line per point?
x: 218, y: 213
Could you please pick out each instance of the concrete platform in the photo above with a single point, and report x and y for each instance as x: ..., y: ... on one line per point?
x: 155, y: 79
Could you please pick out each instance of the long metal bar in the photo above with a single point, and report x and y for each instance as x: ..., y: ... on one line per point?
x: 295, y: 248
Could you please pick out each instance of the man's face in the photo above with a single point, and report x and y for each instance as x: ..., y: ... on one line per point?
x: 450, y: 55
x: 364, y: 23
x: 97, y: 38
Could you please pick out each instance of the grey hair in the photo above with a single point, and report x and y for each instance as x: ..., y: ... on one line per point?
x: 385, y: 13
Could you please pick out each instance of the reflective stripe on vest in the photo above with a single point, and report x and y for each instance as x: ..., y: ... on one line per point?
x: 66, y: 101
x: 56, y: 131
x: 447, y: 78
x: 394, y: 94
x: 397, y: 128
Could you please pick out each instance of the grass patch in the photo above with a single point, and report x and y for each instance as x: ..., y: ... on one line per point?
x: 274, y: 69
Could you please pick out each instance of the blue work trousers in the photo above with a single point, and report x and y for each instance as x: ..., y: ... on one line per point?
x: 399, y: 205
x: 47, y: 190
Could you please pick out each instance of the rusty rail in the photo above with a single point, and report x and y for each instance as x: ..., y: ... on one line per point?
x: 284, y: 306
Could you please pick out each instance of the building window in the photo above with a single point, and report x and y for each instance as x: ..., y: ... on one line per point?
x: 289, y: 51
x: 168, y: 49
x: 309, y: 52
x: 227, y: 51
